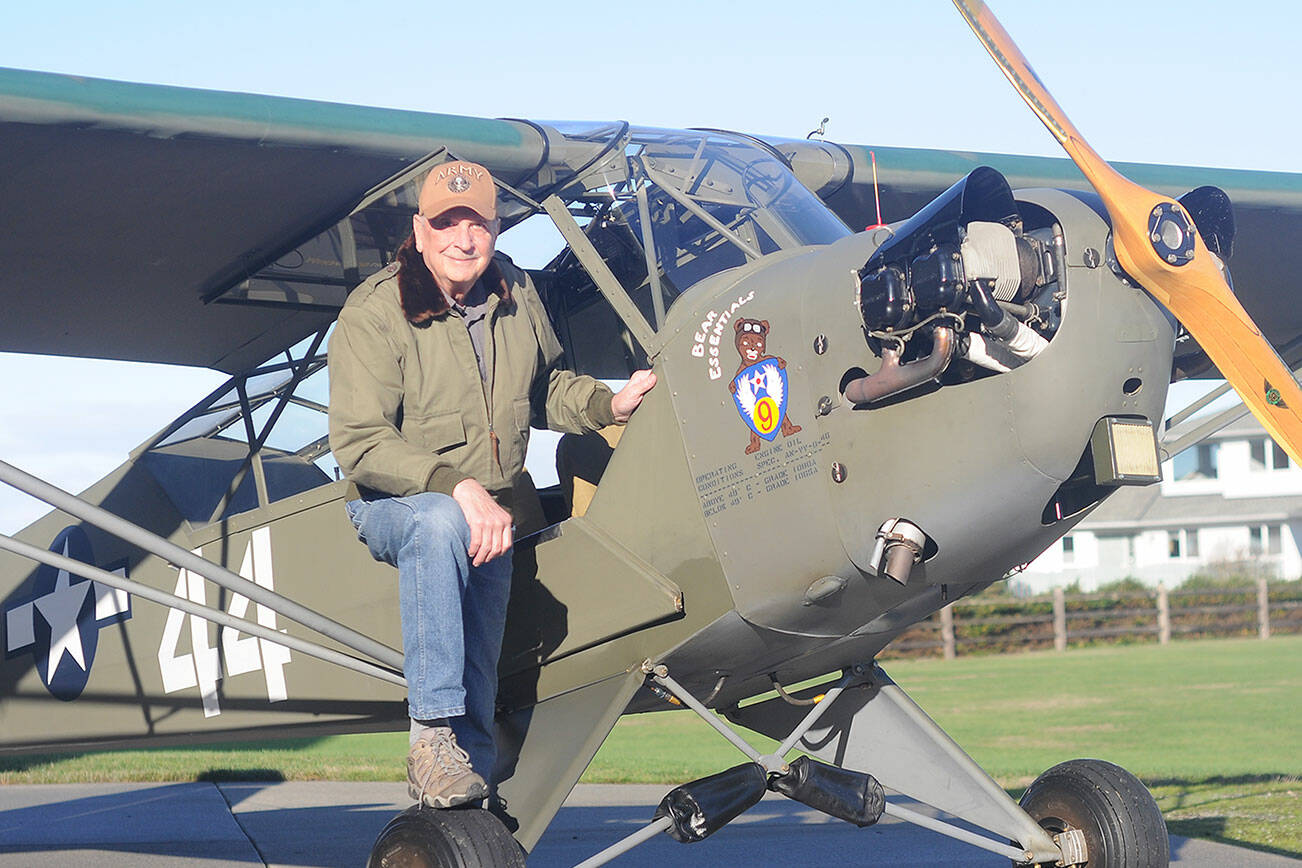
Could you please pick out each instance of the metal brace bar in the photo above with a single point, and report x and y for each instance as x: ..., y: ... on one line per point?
x: 254, y: 459
x: 348, y: 252
x: 708, y: 218
x: 899, y: 812
x: 286, y: 392
x: 315, y: 360
x: 649, y: 254
x: 1181, y: 442
x: 260, y: 479
x: 309, y: 404
x: 1203, y: 430
x: 661, y: 676
x: 198, y: 610
x: 1211, y: 396
x: 207, y: 405
x: 705, y: 714
x: 173, y: 553
x: 299, y: 371
x: 518, y: 194
x: 619, y: 848
x: 599, y: 271
x: 814, y: 714
x: 958, y: 833
x: 398, y: 179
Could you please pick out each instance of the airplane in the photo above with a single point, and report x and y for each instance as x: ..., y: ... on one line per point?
x: 851, y: 430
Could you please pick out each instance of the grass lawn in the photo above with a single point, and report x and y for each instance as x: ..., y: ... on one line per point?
x: 1213, y: 727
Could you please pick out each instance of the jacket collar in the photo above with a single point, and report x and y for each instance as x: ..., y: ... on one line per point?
x: 422, y: 300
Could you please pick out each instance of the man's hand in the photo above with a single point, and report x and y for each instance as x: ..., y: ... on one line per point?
x: 625, y: 401
x: 490, y: 525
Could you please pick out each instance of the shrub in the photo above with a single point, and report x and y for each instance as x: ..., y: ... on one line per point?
x: 996, y: 620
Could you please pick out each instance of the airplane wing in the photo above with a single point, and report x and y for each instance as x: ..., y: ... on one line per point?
x: 135, y: 215
x: 128, y: 208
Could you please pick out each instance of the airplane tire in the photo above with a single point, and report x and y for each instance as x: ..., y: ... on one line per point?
x: 1122, y: 825
x: 422, y: 837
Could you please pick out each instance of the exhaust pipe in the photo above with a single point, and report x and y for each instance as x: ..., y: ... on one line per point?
x: 894, y: 378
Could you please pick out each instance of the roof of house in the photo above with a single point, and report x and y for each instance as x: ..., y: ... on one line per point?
x: 1132, y: 506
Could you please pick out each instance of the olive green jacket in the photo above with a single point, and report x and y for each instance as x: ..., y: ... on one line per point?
x: 409, y: 411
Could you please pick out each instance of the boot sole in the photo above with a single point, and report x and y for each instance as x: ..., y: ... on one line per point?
x: 476, y: 793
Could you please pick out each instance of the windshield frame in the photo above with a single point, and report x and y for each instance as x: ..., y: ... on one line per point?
x: 682, y: 199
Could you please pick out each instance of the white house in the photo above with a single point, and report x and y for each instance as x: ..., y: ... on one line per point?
x: 1230, y: 504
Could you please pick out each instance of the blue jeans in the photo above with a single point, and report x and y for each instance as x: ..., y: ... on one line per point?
x: 453, y: 612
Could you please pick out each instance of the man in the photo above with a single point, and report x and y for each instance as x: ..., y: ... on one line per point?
x: 438, y: 364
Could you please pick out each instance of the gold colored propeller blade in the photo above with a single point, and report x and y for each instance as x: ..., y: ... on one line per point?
x: 1157, y: 244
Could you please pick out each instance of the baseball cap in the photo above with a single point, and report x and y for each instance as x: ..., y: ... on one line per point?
x: 458, y: 184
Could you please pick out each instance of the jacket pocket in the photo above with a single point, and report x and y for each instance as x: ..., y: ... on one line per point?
x: 515, y: 443
x: 439, y: 433
x: 523, y: 412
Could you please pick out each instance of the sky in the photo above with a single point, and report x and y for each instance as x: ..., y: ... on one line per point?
x: 1195, y: 83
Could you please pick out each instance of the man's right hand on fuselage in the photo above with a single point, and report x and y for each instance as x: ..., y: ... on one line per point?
x: 490, y: 524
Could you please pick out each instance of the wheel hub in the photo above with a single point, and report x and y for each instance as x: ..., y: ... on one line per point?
x: 1073, y: 847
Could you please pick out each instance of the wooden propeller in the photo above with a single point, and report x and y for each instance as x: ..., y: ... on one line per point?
x: 1157, y: 244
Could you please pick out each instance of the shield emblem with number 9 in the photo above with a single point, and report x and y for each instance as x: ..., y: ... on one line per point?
x: 761, y: 397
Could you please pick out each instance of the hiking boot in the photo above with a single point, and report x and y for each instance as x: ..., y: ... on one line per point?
x: 439, y: 773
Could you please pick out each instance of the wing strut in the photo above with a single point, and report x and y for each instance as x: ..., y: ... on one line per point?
x: 1180, y: 437
x: 198, y: 610
x: 219, y: 575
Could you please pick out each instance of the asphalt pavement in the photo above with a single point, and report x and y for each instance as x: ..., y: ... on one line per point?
x: 306, y: 825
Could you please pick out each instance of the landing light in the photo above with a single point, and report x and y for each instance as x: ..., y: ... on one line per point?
x: 1125, y: 452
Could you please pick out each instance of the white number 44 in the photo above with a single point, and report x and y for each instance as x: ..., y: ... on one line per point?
x: 202, y: 666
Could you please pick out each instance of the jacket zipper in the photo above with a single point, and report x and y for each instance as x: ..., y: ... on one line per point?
x: 492, y: 380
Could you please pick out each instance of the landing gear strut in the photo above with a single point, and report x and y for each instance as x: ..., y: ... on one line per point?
x: 696, y: 810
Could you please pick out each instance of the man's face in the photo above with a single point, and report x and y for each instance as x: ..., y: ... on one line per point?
x: 457, y: 246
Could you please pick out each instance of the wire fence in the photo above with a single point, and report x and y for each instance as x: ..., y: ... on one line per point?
x: 1062, y: 620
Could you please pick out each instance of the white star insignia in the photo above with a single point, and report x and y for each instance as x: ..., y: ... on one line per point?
x: 59, y: 608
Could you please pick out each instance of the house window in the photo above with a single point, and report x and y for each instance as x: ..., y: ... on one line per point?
x: 1182, y: 543
x: 1197, y: 463
x: 1266, y: 539
x: 1068, y: 550
x: 1266, y: 454
x: 1257, y: 453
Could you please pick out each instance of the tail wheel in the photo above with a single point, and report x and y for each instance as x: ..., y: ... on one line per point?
x: 457, y: 838
x: 1117, y: 815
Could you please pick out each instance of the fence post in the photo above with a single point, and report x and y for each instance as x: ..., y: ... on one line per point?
x: 1263, y: 609
x: 1059, y: 620
x: 947, y: 631
x: 1163, y: 614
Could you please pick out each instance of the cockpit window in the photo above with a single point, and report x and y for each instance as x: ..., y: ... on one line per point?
x: 669, y: 208
x: 259, y: 439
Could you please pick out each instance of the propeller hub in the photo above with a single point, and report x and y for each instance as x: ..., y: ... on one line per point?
x: 1172, y: 233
